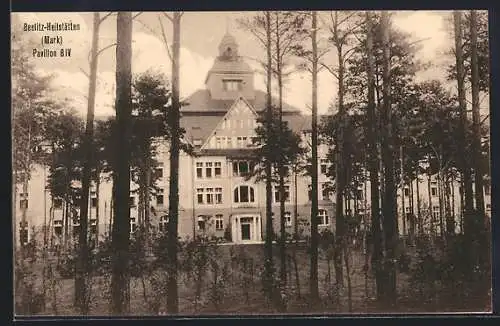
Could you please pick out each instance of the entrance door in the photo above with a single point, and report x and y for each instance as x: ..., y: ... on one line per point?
x: 245, y: 231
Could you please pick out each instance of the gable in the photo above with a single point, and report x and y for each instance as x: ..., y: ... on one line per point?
x: 236, y: 129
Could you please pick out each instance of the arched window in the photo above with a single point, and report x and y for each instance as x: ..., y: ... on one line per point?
x: 244, y: 194
x: 323, y: 217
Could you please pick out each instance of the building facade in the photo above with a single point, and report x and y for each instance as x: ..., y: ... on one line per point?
x: 216, y: 196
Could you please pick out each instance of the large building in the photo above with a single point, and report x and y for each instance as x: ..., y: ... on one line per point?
x: 216, y: 197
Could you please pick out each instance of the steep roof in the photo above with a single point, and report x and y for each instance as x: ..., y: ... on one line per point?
x: 201, y: 101
x: 200, y: 113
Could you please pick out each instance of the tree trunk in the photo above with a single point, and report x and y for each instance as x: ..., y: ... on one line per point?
x: 390, y: 204
x: 429, y: 194
x: 123, y: 105
x: 83, y: 256
x: 341, y: 164
x: 173, y: 209
x: 313, y: 276
x: 462, y: 205
x: 281, y: 181
x: 440, y: 201
x: 453, y: 212
x: 450, y: 219
x: 373, y: 163
x: 466, y: 171
x: 478, y: 170
x: 403, y: 212
x: 147, y: 211
x: 142, y: 195
x: 268, y: 277
x: 97, y: 195
x: 410, y: 218
x: 419, y: 216
x: 295, y: 208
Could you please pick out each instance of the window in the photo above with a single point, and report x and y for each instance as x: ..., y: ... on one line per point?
x: 208, y: 169
x: 201, y: 223
x: 359, y: 194
x: 229, y: 141
x: 23, y: 233
x: 324, y: 165
x: 219, y: 222
x: 435, y: 212
x: 159, y: 197
x: 218, y: 142
x: 288, y: 219
x: 323, y: 218
x: 277, y: 194
x: 218, y: 169
x: 487, y: 190
x: 58, y: 230
x: 488, y: 207
x: 309, y: 192
x: 210, y: 195
x: 433, y: 191
x: 93, y: 202
x: 199, y: 192
x: 162, y: 225
x: 131, y: 201
x: 244, y: 194
x: 232, y: 85
x: 133, y: 225
x: 199, y: 170
x: 93, y: 230
x: 407, y: 209
x: 57, y: 203
x: 218, y: 195
x: 325, y: 192
x: 406, y: 192
x: 159, y: 173
x: 241, y: 168
x: 23, y: 202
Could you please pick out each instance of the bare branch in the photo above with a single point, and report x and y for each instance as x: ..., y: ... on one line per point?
x: 347, y: 53
x: 105, y: 48
x: 169, y: 17
x: 164, y: 36
x: 103, y: 18
x: 84, y: 72
x: 330, y: 70
x: 136, y: 15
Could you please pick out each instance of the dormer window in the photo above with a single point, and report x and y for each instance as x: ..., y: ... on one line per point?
x: 232, y: 84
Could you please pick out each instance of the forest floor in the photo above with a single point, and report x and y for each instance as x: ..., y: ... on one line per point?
x: 243, y: 295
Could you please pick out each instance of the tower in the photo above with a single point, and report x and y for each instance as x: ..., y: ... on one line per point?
x: 230, y: 76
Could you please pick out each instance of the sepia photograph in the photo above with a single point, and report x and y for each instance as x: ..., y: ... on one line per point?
x: 251, y: 163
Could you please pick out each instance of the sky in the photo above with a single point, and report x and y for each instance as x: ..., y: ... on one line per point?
x: 201, y: 33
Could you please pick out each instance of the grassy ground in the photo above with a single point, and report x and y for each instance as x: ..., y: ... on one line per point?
x: 241, y: 291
